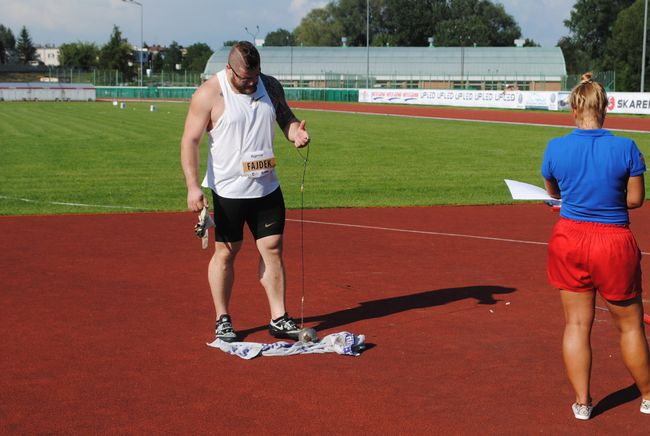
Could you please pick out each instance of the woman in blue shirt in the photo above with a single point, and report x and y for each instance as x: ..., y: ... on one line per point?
x: 599, y: 177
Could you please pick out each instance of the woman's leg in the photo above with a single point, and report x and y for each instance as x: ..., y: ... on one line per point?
x: 628, y: 317
x: 579, y: 308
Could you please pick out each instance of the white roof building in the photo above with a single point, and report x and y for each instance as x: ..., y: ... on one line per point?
x: 415, y: 66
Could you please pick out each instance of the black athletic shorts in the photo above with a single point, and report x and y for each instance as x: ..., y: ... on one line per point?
x: 265, y: 216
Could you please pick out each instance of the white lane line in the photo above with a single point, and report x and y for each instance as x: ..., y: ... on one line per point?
x: 424, y: 232
x: 424, y: 117
x: 61, y: 203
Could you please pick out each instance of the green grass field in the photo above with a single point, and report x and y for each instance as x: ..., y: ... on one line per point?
x: 128, y: 159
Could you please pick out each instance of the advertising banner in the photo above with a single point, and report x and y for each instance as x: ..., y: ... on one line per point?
x: 443, y: 97
x: 463, y: 98
x: 619, y: 102
x: 629, y: 103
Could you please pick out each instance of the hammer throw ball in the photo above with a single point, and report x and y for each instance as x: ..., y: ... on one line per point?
x: 307, y: 335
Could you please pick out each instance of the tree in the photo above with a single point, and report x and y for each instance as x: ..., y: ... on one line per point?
x: 479, y: 22
x: 391, y: 22
x: 410, y: 23
x: 25, y: 49
x: 117, y: 54
x: 82, y: 55
x: 501, y: 27
x: 230, y: 42
x: 623, y: 49
x: 7, y: 44
x: 461, y: 32
x: 157, y: 62
x: 576, y: 60
x: 351, y: 14
x: 279, y: 38
x: 590, y: 26
x: 196, y: 57
x: 320, y: 28
x: 173, y: 56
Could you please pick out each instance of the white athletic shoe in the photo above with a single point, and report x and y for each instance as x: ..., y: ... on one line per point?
x: 645, y: 406
x: 582, y: 411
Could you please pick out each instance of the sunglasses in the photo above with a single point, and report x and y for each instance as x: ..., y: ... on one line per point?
x: 242, y: 78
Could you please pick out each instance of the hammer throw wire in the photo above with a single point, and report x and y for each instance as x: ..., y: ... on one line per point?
x: 305, y: 160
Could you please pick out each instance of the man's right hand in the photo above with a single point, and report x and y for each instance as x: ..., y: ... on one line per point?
x: 196, y: 200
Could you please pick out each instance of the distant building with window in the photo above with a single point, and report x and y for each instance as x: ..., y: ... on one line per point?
x: 48, y: 55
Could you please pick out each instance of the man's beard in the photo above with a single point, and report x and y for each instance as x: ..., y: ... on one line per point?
x: 246, y: 89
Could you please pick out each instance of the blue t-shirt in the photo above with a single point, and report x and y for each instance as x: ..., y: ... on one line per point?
x: 592, y: 168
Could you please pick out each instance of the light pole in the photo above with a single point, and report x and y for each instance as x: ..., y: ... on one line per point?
x: 462, y: 63
x: 290, y: 42
x: 367, y: 43
x: 460, y: 32
x: 141, y: 39
x: 253, y: 35
x: 645, y: 36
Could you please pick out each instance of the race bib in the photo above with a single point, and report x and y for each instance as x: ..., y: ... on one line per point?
x: 257, y: 164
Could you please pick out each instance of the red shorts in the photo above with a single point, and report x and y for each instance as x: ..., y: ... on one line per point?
x: 585, y: 256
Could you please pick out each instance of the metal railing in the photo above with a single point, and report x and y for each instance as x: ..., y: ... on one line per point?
x: 117, y: 78
x: 477, y: 82
x: 605, y: 78
x: 328, y: 80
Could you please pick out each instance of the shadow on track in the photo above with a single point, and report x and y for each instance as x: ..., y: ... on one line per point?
x: 615, y: 399
x: 484, y: 294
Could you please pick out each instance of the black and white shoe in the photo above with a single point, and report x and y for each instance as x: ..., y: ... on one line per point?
x: 284, y: 328
x: 205, y: 222
x: 224, y: 330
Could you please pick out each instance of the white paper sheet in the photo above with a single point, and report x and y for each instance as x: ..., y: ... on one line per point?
x: 526, y: 191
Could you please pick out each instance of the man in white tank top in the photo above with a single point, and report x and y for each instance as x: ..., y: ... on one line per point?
x: 238, y: 107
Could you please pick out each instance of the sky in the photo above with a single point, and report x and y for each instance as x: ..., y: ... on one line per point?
x: 212, y: 22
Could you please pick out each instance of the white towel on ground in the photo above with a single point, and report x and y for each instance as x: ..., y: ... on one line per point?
x: 344, y: 343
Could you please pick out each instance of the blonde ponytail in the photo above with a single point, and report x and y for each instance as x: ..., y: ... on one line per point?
x: 589, y: 99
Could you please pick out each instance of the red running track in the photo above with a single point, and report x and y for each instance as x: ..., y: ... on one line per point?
x: 105, y: 320
x: 640, y: 123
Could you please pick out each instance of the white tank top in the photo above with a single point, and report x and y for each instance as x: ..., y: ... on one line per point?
x: 240, y: 145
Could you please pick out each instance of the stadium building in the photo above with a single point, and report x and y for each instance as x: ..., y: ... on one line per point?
x: 487, y: 68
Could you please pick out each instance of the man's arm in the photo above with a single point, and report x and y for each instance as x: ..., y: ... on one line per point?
x: 296, y: 133
x: 198, y: 118
x: 294, y: 129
